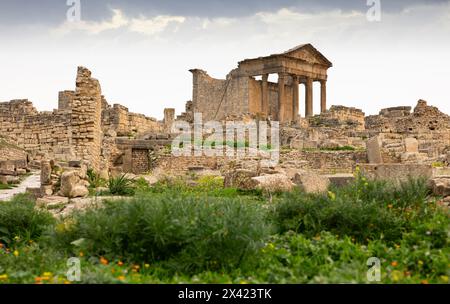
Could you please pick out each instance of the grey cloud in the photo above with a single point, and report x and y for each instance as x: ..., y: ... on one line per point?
x: 19, y: 12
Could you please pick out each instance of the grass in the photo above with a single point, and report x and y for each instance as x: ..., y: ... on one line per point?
x: 175, y: 233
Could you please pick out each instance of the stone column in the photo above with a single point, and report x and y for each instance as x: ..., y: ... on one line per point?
x: 309, y: 97
x: 295, y: 106
x: 281, y: 96
x: 265, y: 95
x: 323, y: 96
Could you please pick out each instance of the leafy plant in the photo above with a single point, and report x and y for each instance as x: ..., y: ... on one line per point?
x: 19, y: 219
x: 188, y: 232
x: 94, y: 179
x: 121, y: 185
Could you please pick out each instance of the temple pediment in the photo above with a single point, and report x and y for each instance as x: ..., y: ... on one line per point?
x: 308, y: 53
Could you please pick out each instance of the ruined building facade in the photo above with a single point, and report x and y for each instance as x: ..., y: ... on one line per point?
x: 83, y: 128
x: 241, y: 93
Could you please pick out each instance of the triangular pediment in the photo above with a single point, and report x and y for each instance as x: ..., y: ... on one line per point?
x: 308, y: 53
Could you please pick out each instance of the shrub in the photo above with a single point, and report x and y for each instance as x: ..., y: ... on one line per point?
x: 189, y: 232
x: 94, y: 179
x: 19, y: 218
x: 365, y: 210
x: 121, y: 185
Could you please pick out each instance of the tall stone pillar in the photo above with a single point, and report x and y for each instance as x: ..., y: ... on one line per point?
x: 281, y: 97
x: 309, y: 97
x: 295, y: 105
x: 265, y: 95
x: 323, y: 96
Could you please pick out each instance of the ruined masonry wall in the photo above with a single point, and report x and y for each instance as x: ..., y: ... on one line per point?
x: 119, y: 119
x: 45, y: 133
x: 86, y: 119
x: 224, y: 97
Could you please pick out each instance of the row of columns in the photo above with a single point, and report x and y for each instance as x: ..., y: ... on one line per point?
x: 283, y: 102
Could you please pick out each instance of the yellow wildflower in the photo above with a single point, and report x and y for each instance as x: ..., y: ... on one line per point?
x: 3, y: 277
x: 396, y: 275
x: 16, y: 253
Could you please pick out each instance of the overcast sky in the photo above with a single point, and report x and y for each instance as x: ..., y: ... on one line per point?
x: 141, y: 51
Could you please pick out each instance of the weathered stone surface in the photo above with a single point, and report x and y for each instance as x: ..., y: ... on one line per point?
x: 374, y: 150
x: 396, y: 172
x: 411, y: 145
x: 311, y: 182
x: 46, y: 172
x: 46, y: 190
x: 72, y: 185
x: 273, y: 183
x: 440, y: 186
x: 51, y: 201
x: 341, y: 180
x: 241, y: 179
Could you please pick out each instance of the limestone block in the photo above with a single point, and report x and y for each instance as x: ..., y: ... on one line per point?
x: 51, y: 201
x: 273, y: 183
x: 311, y: 182
x: 440, y: 186
x: 46, y: 172
x: 374, y: 150
x: 46, y: 190
x: 411, y: 145
x: 72, y: 185
x: 240, y: 178
x: 340, y: 180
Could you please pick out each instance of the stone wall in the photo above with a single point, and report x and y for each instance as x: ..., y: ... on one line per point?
x: 217, y: 98
x: 429, y: 126
x: 326, y: 162
x: 39, y: 133
x: 124, y: 123
x: 86, y: 116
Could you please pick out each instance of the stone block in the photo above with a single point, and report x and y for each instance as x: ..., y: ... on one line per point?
x: 341, y: 180
x: 374, y: 150
x: 46, y: 172
x: 311, y: 182
x: 273, y: 183
x: 396, y: 172
x: 240, y: 178
x: 411, y: 145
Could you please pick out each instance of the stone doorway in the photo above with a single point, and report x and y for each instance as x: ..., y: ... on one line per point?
x: 140, y: 161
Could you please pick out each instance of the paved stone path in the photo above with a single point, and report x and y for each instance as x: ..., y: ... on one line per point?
x: 32, y: 181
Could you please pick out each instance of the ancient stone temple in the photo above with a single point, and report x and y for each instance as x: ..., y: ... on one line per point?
x: 241, y: 93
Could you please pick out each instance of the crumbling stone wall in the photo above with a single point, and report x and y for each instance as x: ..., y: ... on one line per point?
x: 429, y: 126
x: 124, y: 123
x: 216, y: 98
x: 86, y: 119
x: 39, y: 133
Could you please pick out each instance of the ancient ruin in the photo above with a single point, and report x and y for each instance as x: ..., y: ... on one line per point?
x: 241, y: 93
x: 86, y: 132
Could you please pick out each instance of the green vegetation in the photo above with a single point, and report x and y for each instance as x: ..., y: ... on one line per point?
x: 179, y: 233
x: 121, y: 185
